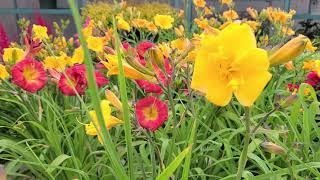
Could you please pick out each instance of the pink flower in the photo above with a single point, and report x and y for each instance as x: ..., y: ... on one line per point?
x: 29, y: 74
x: 151, y: 113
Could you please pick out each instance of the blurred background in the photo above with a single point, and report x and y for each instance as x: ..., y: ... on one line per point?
x: 54, y: 10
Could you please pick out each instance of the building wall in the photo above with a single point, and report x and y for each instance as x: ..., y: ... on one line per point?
x: 10, y: 23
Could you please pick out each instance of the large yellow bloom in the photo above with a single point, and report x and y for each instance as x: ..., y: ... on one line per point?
x: 39, y: 32
x: 163, y: 21
x: 223, y: 67
x: 3, y: 72
x: 12, y: 55
x: 109, y: 120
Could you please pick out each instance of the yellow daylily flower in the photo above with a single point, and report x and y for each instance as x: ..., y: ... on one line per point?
x: 199, y: 3
x: 39, y: 32
x: 77, y: 57
x: 207, y: 11
x: 289, y: 66
x: 180, y: 44
x: 288, y: 31
x: 291, y: 50
x: 202, y: 23
x: 165, y: 49
x: 309, y: 65
x: 230, y: 15
x: 227, y: 2
x: 253, y: 24
x: 57, y: 63
x: 3, y: 72
x: 87, y: 31
x: 151, y: 27
x: 163, y: 21
x: 223, y: 68
x: 122, y: 24
x: 252, y: 12
x: 109, y: 120
x: 139, y: 23
x: 13, y: 55
x: 95, y: 43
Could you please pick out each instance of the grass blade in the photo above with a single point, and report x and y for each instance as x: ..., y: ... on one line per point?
x: 125, y: 106
x: 106, y: 138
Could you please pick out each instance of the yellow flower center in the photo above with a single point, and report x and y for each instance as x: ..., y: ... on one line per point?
x: 228, y: 71
x: 30, y: 73
x: 151, y: 113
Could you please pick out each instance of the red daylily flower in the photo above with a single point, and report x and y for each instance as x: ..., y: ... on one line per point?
x: 151, y: 113
x: 76, y: 80
x: 29, y: 74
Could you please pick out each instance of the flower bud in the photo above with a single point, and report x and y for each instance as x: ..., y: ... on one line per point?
x: 289, y: 101
x: 114, y: 100
x: 291, y: 50
x: 179, y: 31
x: 156, y: 57
x: 272, y: 148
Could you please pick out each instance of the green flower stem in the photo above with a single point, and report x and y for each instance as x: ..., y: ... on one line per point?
x: 187, y: 162
x: 106, y: 138
x: 125, y: 103
x: 244, y: 153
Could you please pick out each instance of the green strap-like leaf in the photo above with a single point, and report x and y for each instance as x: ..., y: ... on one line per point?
x: 174, y: 165
x: 57, y: 162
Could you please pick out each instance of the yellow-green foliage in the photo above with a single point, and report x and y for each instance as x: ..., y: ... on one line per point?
x: 149, y: 10
x: 102, y: 11
x: 98, y: 12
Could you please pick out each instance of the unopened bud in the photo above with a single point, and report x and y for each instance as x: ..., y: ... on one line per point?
x: 291, y: 50
x: 289, y: 101
x: 179, y: 31
x: 114, y: 100
x: 156, y: 57
x: 272, y: 148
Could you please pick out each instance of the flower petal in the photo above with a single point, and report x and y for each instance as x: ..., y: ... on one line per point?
x: 254, y: 70
x: 236, y: 38
x: 215, y: 86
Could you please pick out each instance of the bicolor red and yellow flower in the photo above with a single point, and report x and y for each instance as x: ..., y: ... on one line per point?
x: 151, y: 113
x: 74, y: 81
x: 29, y: 75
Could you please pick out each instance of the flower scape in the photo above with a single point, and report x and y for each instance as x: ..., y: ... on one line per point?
x: 135, y: 94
